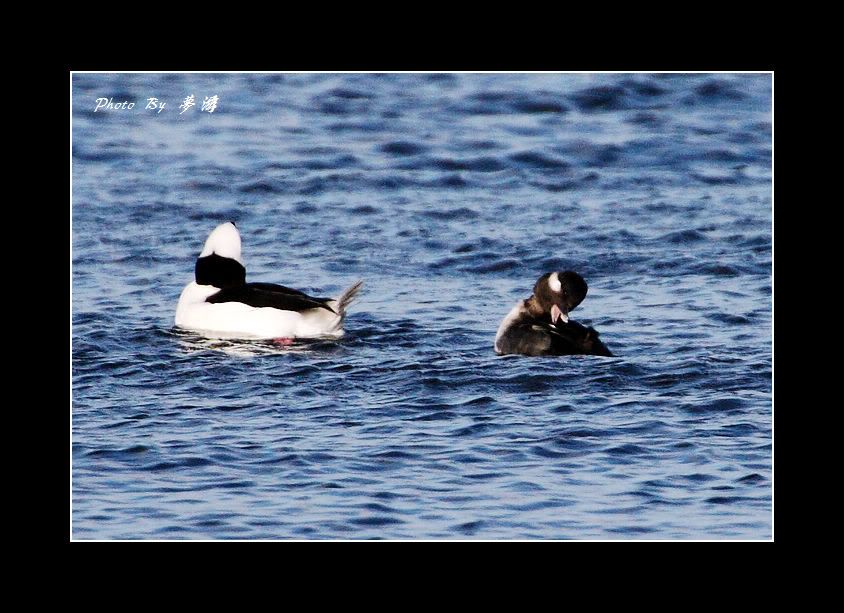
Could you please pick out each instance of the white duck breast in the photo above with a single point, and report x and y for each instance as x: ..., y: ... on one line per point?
x: 220, y: 304
x: 514, y: 315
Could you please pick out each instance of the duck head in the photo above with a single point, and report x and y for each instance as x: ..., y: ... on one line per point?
x: 558, y: 293
x: 224, y: 240
x: 219, y: 264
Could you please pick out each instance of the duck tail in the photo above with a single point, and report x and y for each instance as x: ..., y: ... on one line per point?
x: 346, y: 298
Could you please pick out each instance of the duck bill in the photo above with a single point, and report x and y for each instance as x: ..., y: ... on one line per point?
x: 557, y: 313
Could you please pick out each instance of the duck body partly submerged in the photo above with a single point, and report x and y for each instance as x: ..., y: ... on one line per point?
x: 540, y: 324
x: 521, y: 333
x: 220, y: 304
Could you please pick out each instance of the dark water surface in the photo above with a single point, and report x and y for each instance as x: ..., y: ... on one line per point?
x: 449, y: 195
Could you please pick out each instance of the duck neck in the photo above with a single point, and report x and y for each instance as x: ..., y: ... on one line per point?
x: 533, y: 307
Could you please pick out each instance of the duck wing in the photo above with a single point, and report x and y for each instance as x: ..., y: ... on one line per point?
x: 270, y: 295
x: 281, y: 289
x: 574, y: 338
x: 526, y: 338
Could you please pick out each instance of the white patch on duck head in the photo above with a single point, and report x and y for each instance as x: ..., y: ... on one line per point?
x: 224, y: 241
x: 554, y: 282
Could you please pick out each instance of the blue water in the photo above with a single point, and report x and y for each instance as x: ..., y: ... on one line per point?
x: 449, y: 195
